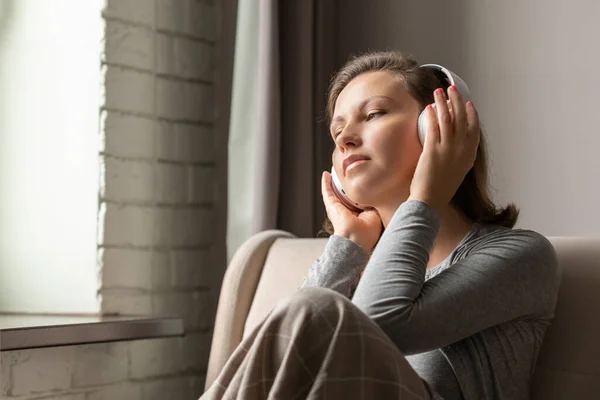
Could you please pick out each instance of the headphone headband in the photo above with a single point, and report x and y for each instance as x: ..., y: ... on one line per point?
x: 452, y: 79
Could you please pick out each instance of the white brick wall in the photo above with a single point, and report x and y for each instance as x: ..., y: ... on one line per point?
x: 156, y: 218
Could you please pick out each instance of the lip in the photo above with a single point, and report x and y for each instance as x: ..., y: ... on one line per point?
x: 355, y: 164
x: 351, y: 159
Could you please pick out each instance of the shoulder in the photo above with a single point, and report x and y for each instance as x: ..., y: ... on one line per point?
x: 502, y: 239
x: 523, y: 248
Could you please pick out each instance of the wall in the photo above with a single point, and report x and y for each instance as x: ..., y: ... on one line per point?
x: 138, y: 370
x: 161, y: 233
x: 531, y: 67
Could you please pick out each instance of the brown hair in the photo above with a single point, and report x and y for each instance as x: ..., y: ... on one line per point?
x: 472, y: 197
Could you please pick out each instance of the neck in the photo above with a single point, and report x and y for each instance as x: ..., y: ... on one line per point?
x: 453, y: 228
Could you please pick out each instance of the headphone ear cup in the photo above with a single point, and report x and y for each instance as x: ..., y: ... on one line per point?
x: 423, y: 121
x: 422, y: 126
x: 340, y: 193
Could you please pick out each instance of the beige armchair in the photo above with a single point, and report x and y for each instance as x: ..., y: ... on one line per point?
x: 270, y: 265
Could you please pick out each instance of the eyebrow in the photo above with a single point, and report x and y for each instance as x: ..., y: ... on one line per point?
x: 361, y: 105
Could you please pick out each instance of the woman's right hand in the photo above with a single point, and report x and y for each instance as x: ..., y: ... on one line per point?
x: 362, y: 228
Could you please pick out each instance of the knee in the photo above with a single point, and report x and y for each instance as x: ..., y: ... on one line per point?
x: 315, y: 301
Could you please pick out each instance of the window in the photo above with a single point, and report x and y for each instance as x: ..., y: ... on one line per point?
x: 50, y: 94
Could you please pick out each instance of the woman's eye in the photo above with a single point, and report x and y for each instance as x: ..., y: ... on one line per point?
x: 374, y: 114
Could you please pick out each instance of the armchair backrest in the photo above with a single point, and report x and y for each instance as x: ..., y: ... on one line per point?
x: 271, y: 265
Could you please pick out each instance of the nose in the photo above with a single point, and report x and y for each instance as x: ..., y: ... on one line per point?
x: 349, y: 137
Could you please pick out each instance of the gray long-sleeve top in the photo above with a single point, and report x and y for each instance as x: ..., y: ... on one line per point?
x: 484, y: 310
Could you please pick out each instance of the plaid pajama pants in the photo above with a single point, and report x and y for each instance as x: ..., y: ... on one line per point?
x: 316, y: 344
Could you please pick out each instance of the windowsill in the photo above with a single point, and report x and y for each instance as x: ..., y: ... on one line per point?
x: 30, y: 331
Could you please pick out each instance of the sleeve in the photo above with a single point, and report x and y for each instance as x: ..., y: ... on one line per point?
x: 514, y: 275
x: 338, y: 268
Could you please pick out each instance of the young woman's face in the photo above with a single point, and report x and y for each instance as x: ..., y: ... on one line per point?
x: 375, y: 123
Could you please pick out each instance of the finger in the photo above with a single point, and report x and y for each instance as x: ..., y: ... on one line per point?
x: 326, y: 190
x: 329, y: 197
x: 443, y: 115
x: 459, y: 110
x: 369, y: 215
x: 433, y: 129
x: 473, y: 125
x: 472, y: 119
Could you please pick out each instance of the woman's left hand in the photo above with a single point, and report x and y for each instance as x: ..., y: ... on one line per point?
x: 449, y: 150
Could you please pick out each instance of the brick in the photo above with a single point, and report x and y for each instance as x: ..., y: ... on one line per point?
x: 128, y: 225
x: 168, y: 232
x: 193, y: 269
x: 128, y: 45
x: 194, y: 60
x: 127, y: 136
x: 171, y: 183
x: 165, y: 54
x: 184, y: 100
x: 171, y: 14
x: 100, y: 364
x: 127, y: 390
x: 130, y: 268
x: 125, y: 303
x: 7, y: 359
x: 206, y: 311
x: 42, y: 370
x: 196, y: 350
x: 172, y: 388
x: 134, y: 268
x: 185, y: 227
x: 197, y: 309
x: 161, y: 273
x: 140, y: 11
x: 202, y: 20
x: 155, y: 357
x: 185, y: 142
x: 190, y: 17
x: 185, y: 58
x: 202, y: 185
x: 126, y: 180
x: 180, y: 305
x: 129, y: 91
x: 71, y: 396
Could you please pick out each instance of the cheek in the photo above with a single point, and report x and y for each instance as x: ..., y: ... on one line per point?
x: 401, y: 149
x: 394, y: 142
x: 412, y: 150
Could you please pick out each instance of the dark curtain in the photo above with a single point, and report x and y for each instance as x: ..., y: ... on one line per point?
x: 307, y: 56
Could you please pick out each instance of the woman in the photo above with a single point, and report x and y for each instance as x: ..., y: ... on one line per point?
x: 427, y: 293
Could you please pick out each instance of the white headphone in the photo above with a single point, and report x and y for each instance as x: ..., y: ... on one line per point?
x: 451, y: 79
